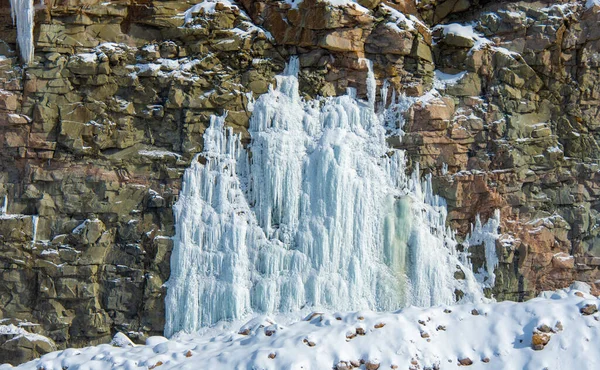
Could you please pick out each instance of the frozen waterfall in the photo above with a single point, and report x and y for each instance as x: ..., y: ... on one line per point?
x: 321, y: 216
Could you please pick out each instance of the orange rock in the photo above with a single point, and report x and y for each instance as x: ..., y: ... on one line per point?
x: 539, y: 340
x: 343, y: 40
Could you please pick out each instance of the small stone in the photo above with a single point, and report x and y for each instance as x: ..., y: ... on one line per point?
x: 474, y: 312
x: 424, y: 334
x: 441, y: 328
x: 355, y: 363
x: 343, y: 365
x: 589, y: 309
x: 422, y: 322
x: 447, y: 310
x: 188, y: 354
x: 159, y: 363
x: 539, y: 341
x: 579, y: 294
x: 465, y: 361
x: 485, y: 359
x: 558, y: 326
x: 309, y: 343
x: 380, y: 325
x: 272, y: 355
x: 372, y: 365
x: 544, y: 328
x: 244, y: 332
x: 360, y: 331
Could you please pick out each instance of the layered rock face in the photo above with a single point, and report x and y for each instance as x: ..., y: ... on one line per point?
x: 97, y: 130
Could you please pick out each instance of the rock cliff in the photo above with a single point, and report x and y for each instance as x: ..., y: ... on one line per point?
x: 97, y: 129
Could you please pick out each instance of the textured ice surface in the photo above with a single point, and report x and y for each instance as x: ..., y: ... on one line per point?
x: 22, y: 13
x: 321, y: 216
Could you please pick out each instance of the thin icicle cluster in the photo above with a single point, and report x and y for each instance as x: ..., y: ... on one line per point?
x: 486, y: 235
x: 322, y: 216
x: 22, y: 12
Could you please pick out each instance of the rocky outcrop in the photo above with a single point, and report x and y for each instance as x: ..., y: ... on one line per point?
x: 96, y: 133
x: 97, y: 130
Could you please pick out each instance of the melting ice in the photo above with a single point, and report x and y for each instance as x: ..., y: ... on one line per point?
x: 318, y: 213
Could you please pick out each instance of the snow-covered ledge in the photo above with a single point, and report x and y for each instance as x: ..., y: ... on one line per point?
x: 22, y: 13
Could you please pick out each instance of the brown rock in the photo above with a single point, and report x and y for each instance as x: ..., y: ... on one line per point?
x: 8, y: 100
x: 465, y: 361
x: 343, y: 40
x: 589, y: 309
x: 369, y: 4
x: 539, y: 340
x: 372, y: 365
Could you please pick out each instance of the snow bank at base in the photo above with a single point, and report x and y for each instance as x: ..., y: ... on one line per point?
x: 492, y: 336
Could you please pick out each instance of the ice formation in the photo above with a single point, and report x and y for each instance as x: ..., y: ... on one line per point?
x: 486, y: 235
x: 321, y: 216
x: 22, y: 12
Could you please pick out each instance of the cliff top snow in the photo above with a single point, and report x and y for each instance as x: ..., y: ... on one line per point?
x: 563, y: 327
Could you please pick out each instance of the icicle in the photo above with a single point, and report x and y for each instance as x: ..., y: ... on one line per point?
x: 34, y: 222
x: 5, y: 205
x: 384, y: 93
x: 22, y: 12
x: 371, y: 82
x: 487, y: 235
x: 322, y: 215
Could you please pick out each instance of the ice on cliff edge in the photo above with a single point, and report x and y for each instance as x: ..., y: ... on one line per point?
x: 318, y: 213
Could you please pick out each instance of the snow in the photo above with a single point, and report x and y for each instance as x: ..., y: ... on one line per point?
x: 398, y: 18
x: 208, y: 6
x: 465, y: 31
x: 79, y: 229
x: 353, y: 3
x: 121, y: 340
x: 592, y: 3
x: 87, y: 57
x: 441, y: 79
x: 22, y: 12
x: 412, y: 338
x: 322, y: 216
x: 158, y: 153
x: 18, y: 332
